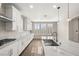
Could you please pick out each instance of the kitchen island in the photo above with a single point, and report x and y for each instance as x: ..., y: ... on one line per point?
x: 67, y: 48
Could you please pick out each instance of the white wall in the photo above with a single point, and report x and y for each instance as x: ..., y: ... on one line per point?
x: 62, y: 30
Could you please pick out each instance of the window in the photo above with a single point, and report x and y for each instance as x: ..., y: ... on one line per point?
x: 36, y: 26
x: 43, y: 26
x: 49, y: 25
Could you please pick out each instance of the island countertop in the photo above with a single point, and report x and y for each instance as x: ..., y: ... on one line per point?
x: 68, y: 48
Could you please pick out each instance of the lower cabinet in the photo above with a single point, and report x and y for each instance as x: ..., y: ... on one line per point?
x: 5, y: 52
x: 10, y: 50
x: 16, y: 48
x: 19, y: 47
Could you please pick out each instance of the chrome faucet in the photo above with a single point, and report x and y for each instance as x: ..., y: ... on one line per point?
x: 55, y: 35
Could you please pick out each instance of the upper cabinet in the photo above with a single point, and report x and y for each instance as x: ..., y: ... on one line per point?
x: 15, y: 15
x: 27, y: 24
x: 12, y: 17
x: 2, y: 9
x: 3, y: 16
x: 24, y: 22
x: 10, y: 11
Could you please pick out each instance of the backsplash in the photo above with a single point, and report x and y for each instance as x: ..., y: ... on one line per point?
x: 10, y: 34
x: 2, y: 26
x: 2, y: 29
x: 4, y: 33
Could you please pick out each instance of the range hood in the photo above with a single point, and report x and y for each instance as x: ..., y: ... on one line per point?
x: 5, y: 19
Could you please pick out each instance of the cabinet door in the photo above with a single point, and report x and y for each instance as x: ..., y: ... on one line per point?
x: 18, y: 19
x: 10, y: 11
x: 19, y: 47
x: 11, y: 50
x: 24, y: 24
x: 29, y: 25
x: 15, y: 49
x: 2, y: 9
x: 14, y: 13
x: 73, y: 30
x: 11, y: 26
x: 5, y: 51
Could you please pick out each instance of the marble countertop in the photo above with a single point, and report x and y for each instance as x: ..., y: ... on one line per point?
x: 67, y: 48
x: 17, y: 36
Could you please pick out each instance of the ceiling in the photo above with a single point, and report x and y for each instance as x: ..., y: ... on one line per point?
x: 41, y: 10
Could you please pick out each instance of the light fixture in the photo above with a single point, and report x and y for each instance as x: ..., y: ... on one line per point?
x: 58, y: 13
x: 58, y: 8
x: 31, y: 6
x: 54, y: 6
x: 68, y: 12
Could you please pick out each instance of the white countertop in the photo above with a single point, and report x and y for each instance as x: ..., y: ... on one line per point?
x: 55, y: 51
x: 18, y: 36
x: 65, y: 49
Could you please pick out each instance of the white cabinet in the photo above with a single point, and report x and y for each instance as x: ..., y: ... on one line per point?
x: 3, y: 16
x: 74, y: 30
x: 12, y: 16
x: 11, y: 13
x: 7, y: 51
x: 10, y: 50
x: 19, y: 47
x: 11, y: 26
x: 16, y: 47
x: 15, y: 15
x: 22, y: 44
x: 2, y: 9
x: 29, y: 25
x: 24, y: 22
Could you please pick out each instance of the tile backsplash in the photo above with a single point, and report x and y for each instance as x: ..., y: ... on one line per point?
x: 10, y: 34
x: 2, y: 26
x: 4, y: 33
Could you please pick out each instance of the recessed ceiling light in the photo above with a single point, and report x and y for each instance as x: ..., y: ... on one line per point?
x: 54, y: 6
x: 31, y: 6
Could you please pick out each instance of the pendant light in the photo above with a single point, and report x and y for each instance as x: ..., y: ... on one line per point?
x: 68, y: 11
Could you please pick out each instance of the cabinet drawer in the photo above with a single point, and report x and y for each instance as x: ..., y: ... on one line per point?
x: 5, y: 51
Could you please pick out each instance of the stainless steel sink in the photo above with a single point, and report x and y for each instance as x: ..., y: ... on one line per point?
x: 50, y: 43
x: 4, y: 41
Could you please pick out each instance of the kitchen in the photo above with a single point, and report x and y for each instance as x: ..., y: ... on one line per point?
x: 50, y: 23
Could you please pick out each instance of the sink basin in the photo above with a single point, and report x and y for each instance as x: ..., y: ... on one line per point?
x: 4, y: 41
x: 50, y: 43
